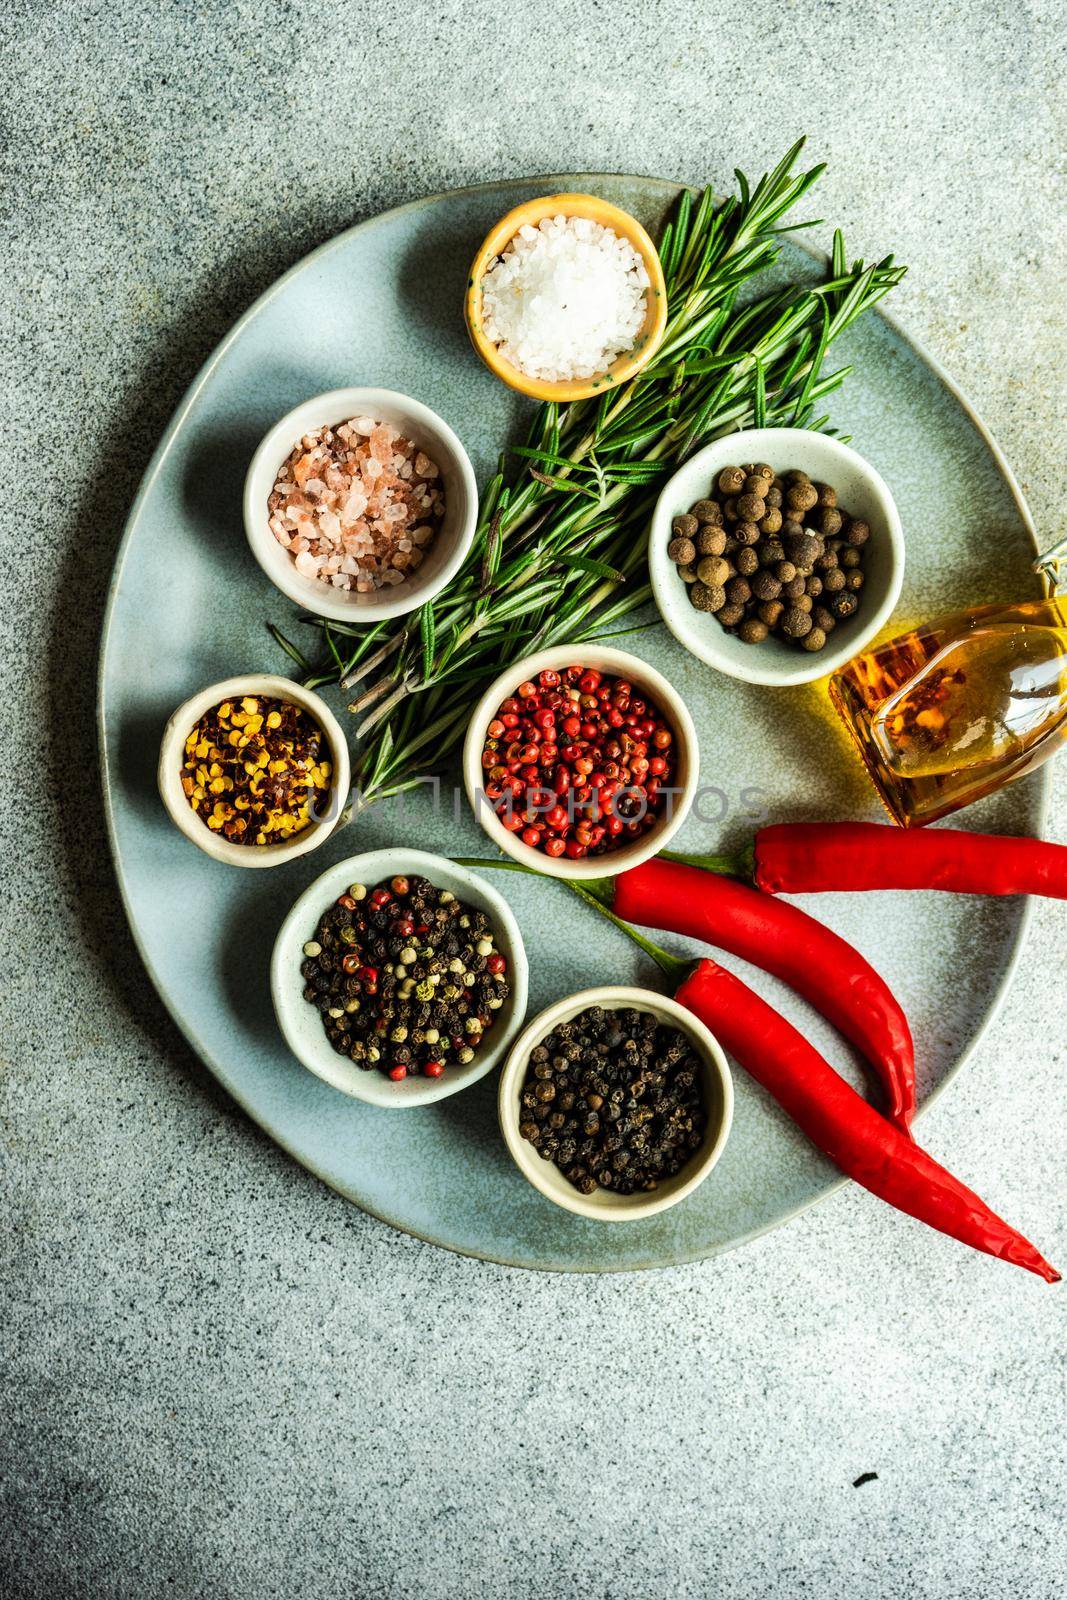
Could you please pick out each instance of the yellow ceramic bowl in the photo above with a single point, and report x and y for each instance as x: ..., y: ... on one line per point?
x: 624, y: 366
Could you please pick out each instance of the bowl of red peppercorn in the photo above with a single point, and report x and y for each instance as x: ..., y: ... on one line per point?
x: 581, y: 761
x: 616, y: 1103
x: 399, y: 977
x: 776, y: 554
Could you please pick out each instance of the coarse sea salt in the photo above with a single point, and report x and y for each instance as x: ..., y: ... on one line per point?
x: 564, y: 299
x: 357, y: 506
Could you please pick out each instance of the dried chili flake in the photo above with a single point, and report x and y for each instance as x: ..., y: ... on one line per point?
x: 256, y: 770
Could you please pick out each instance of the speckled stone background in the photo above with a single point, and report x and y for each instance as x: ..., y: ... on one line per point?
x: 221, y: 1380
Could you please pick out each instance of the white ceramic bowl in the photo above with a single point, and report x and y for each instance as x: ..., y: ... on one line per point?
x: 652, y: 684
x: 301, y: 1023
x: 172, y: 754
x: 860, y: 490
x: 416, y: 422
x: 602, y: 1205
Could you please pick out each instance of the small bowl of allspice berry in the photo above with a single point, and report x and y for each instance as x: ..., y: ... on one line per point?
x: 776, y: 554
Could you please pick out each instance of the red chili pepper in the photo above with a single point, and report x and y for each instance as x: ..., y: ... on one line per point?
x: 812, y: 857
x: 842, y: 1124
x: 828, y: 1110
x: 785, y: 941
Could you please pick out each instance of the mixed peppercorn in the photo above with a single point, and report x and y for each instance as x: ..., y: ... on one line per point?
x: 255, y: 770
x: 771, y: 554
x: 577, y: 762
x: 407, y: 977
x: 614, y: 1099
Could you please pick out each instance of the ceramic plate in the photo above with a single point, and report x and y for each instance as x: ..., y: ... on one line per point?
x: 382, y: 305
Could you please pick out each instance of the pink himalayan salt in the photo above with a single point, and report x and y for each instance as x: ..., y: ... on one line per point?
x: 357, y: 506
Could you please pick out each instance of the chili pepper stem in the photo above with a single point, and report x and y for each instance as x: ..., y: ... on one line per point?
x: 676, y: 968
x: 597, y: 892
x: 742, y: 865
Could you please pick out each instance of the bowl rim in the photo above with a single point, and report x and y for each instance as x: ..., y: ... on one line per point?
x: 604, y: 1206
x: 754, y: 443
x: 373, y: 1088
x: 280, y: 437
x: 625, y: 366
x: 168, y: 770
x: 601, y: 657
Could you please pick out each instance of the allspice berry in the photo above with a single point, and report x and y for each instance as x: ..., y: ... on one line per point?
x: 682, y: 552
x: 762, y: 470
x: 747, y: 562
x: 829, y: 522
x: 771, y: 520
x: 785, y: 572
x: 796, y: 623
x: 711, y: 540
x: 844, y: 605
x: 770, y: 552
x: 834, y: 581
x: 813, y: 640
x: 822, y: 617
x: 706, y: 511
x: 813, y: 585
x: 849, y: 557
x: 756, y: 485
x: 794, y: 590
x: 765, y: 585
x: 731, y: 480
x: 738, y: 591
x: 802, y: 496
x: 706, y: 597
x: 746, y: 532
x: 687, y: 574
x: 752, y: 631
x: 771, y: 612
x: 803, y: 551
x: 730, y: 616
x: 854, y: 581
x: 827, y: 495
x: 685, y: 526
x: 773, y: 499
x: 858, y: 532
x: 714, y: 570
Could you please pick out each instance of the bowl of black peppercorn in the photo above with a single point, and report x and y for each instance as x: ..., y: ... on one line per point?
x: 616, y: 1103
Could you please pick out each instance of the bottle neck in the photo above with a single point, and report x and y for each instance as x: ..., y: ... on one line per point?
x: 1052, y: 568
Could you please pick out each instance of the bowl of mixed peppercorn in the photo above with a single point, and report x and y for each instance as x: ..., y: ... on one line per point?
x: 616, y: 1103
x: 581, y: 761
x: 399, y: 977
x: 776, y: 554
x: 254, y: 770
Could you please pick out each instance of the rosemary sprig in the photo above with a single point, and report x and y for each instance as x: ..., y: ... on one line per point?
x: 559, y: 554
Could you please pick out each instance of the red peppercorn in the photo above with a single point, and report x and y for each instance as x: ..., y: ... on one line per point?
x: 398, y: 1072
x: 347, y: 901
x: 554, y: 847
x: 404, y: 926
x: 433, y: 1069
x: 531, y: 836
x: 525, y: 690
x: 349, y: 964
x: 496, y: 728
x: 379, y: 898
x: 496, y: 962
x: 589, y: 680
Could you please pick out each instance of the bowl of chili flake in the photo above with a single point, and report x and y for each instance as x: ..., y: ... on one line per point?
x: 254, y: 770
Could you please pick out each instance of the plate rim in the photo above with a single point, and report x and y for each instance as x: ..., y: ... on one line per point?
x: 147, y: 483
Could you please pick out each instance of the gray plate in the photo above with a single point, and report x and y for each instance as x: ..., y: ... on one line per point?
x: 381, y: 304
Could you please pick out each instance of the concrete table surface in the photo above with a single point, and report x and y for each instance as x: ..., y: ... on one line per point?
x: 221, y: 1380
